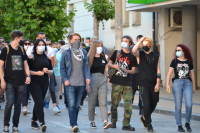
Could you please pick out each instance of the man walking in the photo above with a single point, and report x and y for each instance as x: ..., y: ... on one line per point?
x: 75, y: 73
x: 149, y: 79
x: 121, y: 83
x: 13, y: 64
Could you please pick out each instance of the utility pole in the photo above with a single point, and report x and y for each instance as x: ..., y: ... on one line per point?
x: 118, y: 23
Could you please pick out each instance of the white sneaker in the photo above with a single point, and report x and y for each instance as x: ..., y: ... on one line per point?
x: 56, y: 110
x: 76, y: 129
x: 71, y: 129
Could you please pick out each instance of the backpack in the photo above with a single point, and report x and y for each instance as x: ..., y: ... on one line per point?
x: 8, y: 49
x: 111, y: 71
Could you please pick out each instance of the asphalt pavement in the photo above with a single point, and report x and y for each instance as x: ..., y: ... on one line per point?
x: 60, y: 123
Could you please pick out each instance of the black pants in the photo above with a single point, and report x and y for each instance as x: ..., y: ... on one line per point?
x: 52, y: 88
x: 38, y: 91
x: 150, y: 100
x: 84, y: 96
x: 65, y: 98
x: 13, y: 96
x: 135, y: 88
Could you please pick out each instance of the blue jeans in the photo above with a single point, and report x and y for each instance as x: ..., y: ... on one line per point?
x: 74, y: 95
x: 13, y: 96
x: 182, y: 87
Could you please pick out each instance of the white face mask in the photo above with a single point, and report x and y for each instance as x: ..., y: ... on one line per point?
x: 124, y: 45
x: 25, y: 47
x: 99, y: 50
x: 87, y: 45
x: 41, y: 49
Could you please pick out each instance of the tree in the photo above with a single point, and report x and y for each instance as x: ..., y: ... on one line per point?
x: 102, y: 10
x: 33, y: 16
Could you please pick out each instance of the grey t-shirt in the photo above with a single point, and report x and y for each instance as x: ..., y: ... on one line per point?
x: 77, y: 77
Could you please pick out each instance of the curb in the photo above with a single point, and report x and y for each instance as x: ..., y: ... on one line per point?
x: 161, y: 111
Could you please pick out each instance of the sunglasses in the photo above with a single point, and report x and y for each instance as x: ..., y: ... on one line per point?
x: 26, y: 43
x: 125, y: 37
x: 178, y: 50
x: 49, y: 44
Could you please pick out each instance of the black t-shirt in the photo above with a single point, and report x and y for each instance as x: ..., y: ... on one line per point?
x: 181, y: 69
x: 98, y: 65
x: 37, y: 64
x: 147, y: 69
x: 127, y: 61
x: 14, y: 65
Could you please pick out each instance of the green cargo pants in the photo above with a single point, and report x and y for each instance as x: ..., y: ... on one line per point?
x: 117, y: 92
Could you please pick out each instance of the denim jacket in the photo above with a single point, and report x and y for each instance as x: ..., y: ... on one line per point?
x: 66, y: 65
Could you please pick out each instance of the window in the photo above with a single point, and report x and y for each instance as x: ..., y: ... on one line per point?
x: 136, y: 18
x: 71, y: 29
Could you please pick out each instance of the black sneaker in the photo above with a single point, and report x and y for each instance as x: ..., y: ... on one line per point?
x: 187, y: 125
x: 34, y: 125
x: 143, y: 122
x: 149, y: 128
x: 6, y: 129
x: 113, y: 125
x: 180, y: 129
x: 93, y: 126
x: 107, y: 125
x: 43, y: 127
x: 129, y: 128
x: 15, y: 130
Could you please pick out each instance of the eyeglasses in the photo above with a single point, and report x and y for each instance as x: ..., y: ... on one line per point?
x: 178, y: 50
x: 26, y: 43
x: 125, y: 37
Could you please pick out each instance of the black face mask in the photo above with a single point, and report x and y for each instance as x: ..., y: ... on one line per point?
x: 146, y: 48
x: 21, y: 43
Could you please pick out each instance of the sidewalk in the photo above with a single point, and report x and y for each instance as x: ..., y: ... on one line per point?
x: 166, y: 104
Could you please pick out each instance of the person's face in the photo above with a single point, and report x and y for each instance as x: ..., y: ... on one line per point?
x: 41, y: 36
x: 40, y: 44
x: 54, y: 46
x: 27, y: 43
x: 18, y: 39
x: 2, y: 40
x: 32, y: 44
x: 59, y: 45
x: 48, y: 43
x: 137, y: 39
x: 179, y: 49
x: 75, y: 38
x: 87, y: 41
x: 146, y: 43
x: 93, y: 40
x: 125, y: 40
x: 5, y: 44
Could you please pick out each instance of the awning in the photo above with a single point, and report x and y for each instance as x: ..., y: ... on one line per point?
x: 155, y: 7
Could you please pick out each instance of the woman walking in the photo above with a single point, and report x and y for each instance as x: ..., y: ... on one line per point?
x: 25, y: 95
x: 40, y: 67
x: 183, y: 83
x: 98, y: 66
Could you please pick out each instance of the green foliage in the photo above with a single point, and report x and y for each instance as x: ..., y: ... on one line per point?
x: 33, y: 16
x: 103, y: 9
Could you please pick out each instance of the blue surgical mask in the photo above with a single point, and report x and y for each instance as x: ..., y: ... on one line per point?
x: 87, y: 45
x: 179, y: 54
x: 55, y: 49
x: 124, y: 45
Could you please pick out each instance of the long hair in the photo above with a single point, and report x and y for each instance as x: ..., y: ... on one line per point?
x: 186, y: 50
x: 92, y: 51
x: 36, y: 44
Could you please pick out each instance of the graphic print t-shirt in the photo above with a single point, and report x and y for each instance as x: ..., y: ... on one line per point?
x: 127, y: 61
x: 182, y: 69
x: 14, y: 70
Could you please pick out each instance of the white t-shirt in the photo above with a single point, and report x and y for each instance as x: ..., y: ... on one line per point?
x: 49, y: 52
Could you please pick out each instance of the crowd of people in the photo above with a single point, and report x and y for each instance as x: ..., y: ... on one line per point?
x: 42, y: 68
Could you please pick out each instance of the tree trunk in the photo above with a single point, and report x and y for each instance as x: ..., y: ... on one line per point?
x: 96, y: 27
